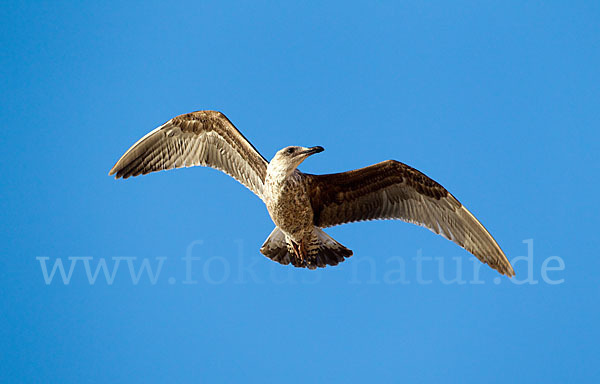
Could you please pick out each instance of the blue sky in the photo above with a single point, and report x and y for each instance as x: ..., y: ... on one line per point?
x: 497, y: 101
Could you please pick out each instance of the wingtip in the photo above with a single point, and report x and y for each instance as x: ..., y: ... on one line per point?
x: 114, y: 171
x: 508, y: 271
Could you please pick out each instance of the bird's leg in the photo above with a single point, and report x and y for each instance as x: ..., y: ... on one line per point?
x: 296, y: 249
x: 303, y: 253
x: 300, y: 252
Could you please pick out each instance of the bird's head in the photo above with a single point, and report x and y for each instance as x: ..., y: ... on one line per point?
x: 286, y: 160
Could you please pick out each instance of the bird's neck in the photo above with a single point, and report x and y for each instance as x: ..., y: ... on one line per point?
x: 278, y: 173
x: 279, y: 184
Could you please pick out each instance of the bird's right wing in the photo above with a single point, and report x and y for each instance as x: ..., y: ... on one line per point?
x: 393, y: 190
x: 205, y: 138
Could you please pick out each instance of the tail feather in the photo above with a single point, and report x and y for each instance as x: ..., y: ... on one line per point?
x: 321, y: 250
x: 324, y: 250
x: 276, y: 248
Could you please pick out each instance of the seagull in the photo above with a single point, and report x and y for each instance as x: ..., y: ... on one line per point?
x: 302, y: 204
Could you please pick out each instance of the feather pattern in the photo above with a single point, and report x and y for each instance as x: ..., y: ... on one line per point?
x: 205, y: 138
x: 393, y: 190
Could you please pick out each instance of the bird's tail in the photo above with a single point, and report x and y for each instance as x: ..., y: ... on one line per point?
x: 320, y: 250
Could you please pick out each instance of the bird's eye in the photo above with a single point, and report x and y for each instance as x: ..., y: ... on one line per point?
x: 290, y: 151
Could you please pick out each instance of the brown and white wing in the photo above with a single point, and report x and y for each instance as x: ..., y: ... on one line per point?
x: 205, y: 138
x: 393, y: 190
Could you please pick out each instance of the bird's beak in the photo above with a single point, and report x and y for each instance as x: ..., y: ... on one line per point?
x: 312, y: 150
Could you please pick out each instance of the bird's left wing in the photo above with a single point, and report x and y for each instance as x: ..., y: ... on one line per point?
x: 205, y: 138
x: 393, y: 190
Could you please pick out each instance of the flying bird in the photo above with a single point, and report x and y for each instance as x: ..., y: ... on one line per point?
x: 302, y: 204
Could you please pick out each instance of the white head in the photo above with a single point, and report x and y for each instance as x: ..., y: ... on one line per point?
x: 288, y: 159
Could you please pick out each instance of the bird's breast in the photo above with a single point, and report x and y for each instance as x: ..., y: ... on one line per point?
x: 289, y: 206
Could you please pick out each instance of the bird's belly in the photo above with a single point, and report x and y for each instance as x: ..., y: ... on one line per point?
x: 293, y: 215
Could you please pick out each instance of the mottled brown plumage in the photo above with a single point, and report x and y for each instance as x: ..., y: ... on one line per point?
x: 329, y: 192
x: 301, y: 204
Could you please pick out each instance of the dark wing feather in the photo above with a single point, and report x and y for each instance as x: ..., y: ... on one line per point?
x: 205, y: 138
x: 393, y: 190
